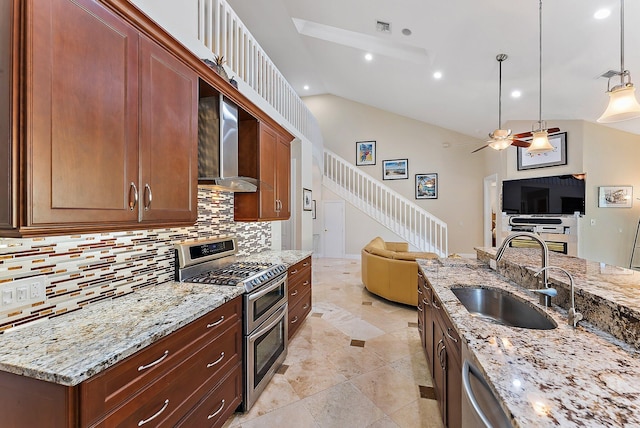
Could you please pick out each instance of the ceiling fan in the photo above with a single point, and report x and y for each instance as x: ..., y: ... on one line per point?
x: 500, y: 139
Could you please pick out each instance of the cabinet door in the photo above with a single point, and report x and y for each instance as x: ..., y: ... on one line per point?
x: 283, y: 177
x: 81, y: 98
x: 168, y: 136
x: 268, y: 146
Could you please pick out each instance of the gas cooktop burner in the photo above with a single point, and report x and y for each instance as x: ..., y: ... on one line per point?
x: 237, y: 273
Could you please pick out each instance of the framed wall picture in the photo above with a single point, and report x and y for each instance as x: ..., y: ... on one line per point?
x: 395, y: 169
x: 365, y: 153
x: 615, y: 196
x: 306, y: 199
x: 427, y: 186
x: 558, y: 156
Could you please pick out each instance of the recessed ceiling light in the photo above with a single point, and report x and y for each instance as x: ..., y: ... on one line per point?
x: 516, y: 93
x: 602, y: 14
x: 368, y: 57
x: 437, y: 75
x: 406, y: 31
x: 306, y: 87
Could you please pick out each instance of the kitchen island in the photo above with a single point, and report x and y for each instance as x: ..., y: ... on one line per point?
x: 560, y: 377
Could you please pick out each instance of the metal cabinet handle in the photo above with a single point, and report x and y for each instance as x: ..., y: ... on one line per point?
x: 426, y: 302
x: 149, y: 197
x: 449, y: 335
x: 420, y: 308
x: 306, y: 306
x: 420, y: 290
x: 434, y: 304
x: 133, y: 199
x: 158, y: 413
x: 305, y: 264
x: 158, y: 361
x: 442, y: 355
x: 295, y: 293
x: 294, y: 320
x: 214, y: 414
x: 216, y: 361
x: 305, y: 283
x: 293, y: 272
x: 216, y: 323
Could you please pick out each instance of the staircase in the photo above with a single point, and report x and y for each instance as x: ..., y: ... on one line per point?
x: 398, y: 214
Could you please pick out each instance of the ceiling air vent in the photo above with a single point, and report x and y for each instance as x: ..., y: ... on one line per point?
x: 383, y: 27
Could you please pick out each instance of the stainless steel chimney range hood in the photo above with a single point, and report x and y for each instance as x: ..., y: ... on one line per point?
x: 218, y: 146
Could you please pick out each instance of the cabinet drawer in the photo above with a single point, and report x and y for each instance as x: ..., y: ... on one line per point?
x: 215, y: 408
x: 300, y: 270
x: 105, y: 391
x: 298, y: 313
x: 173, y: 395
x: 298, y: 289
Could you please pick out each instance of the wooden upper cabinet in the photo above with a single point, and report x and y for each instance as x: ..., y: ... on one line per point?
x: 264, y: 153
x: 109, y: 133
x: 168, y: 136
x: 82, y: 108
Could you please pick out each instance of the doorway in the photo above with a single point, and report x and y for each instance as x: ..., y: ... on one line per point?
x: 491, y: 204
x: 333, y: 236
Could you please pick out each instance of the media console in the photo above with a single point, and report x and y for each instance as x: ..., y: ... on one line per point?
x: 560, y: 232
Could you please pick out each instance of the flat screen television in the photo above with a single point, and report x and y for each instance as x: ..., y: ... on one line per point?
x: 560, y: 194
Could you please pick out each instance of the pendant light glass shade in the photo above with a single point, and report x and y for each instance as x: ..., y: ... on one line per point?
x: 623, y: 105
x: 540, y: 143
x: 500, y: 144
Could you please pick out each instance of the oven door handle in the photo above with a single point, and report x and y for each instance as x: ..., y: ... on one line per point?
x: 268, y: 289
x: 266, y: 327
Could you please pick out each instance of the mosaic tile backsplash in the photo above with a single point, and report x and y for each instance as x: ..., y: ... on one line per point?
x: 85, y: 269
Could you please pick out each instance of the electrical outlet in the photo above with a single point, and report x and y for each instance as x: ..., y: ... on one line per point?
x: 22, y: 292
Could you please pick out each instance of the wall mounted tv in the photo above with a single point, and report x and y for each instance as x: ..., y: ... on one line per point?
x: 560, y: 194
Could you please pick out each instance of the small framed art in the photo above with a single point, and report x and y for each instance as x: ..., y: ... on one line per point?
x: 365, y: 153
x: 427, y: 186
x: 395, y: 169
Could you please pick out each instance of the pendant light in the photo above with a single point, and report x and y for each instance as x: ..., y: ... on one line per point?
x: 500, y: 137
x: 622, y: 99
x: 540, y: 142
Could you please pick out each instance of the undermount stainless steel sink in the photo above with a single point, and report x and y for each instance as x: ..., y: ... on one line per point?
x: 502, y: 308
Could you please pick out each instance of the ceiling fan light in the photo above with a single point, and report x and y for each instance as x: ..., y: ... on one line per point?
x: 540, y: 143
x: 623, y: 105
x: 500, y: 144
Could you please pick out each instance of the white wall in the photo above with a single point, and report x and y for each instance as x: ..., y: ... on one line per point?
x: 460, y: 173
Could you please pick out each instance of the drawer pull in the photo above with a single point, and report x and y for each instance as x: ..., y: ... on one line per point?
x: 449, y: 335
x: 306, y: 306
x: 214, y: 414
x: 434, y: 304
x: 295, y: 293
x: 294, y: 320
x: 426, y: 302
x: 216, y: 323
x: 216, y: 361
x: 305, y: 283
x: 158, y: 413
x: 420, y: 308
x: 419, y: 290
x: 158, y: 361
x: 293, y: 272
x: 305, y: 264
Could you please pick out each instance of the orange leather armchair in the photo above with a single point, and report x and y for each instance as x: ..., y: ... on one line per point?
x: 390, y: 270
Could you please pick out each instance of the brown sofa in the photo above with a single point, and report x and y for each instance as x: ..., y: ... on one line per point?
x: 390, y: 270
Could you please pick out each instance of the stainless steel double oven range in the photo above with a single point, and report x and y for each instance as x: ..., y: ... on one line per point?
x: 265, y: 324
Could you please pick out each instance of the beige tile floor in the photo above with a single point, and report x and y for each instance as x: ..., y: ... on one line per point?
x: 331, y: 380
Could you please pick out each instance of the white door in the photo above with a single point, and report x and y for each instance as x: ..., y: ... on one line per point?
x: 333, y: 236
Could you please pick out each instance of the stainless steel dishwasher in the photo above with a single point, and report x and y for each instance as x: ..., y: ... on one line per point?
x: 480, y: 408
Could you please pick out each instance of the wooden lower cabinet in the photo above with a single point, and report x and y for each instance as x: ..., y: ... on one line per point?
x: 169, y: 383
x: 299, y: 286
x: 442, y: 347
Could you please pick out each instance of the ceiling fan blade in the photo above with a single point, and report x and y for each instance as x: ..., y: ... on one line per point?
x: 553, y: 130
x: 477, y: 150
x: 520, y: 143
x: 530, y: 134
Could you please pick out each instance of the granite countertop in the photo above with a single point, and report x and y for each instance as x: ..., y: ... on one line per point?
x: 561, y: 377
x: 73, y: 347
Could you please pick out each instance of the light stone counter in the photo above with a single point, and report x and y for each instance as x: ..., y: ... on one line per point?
x: 543, y: 378
x: 71, y: 348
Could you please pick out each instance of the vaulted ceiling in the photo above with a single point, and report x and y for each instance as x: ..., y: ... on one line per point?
x: 322, y: 44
